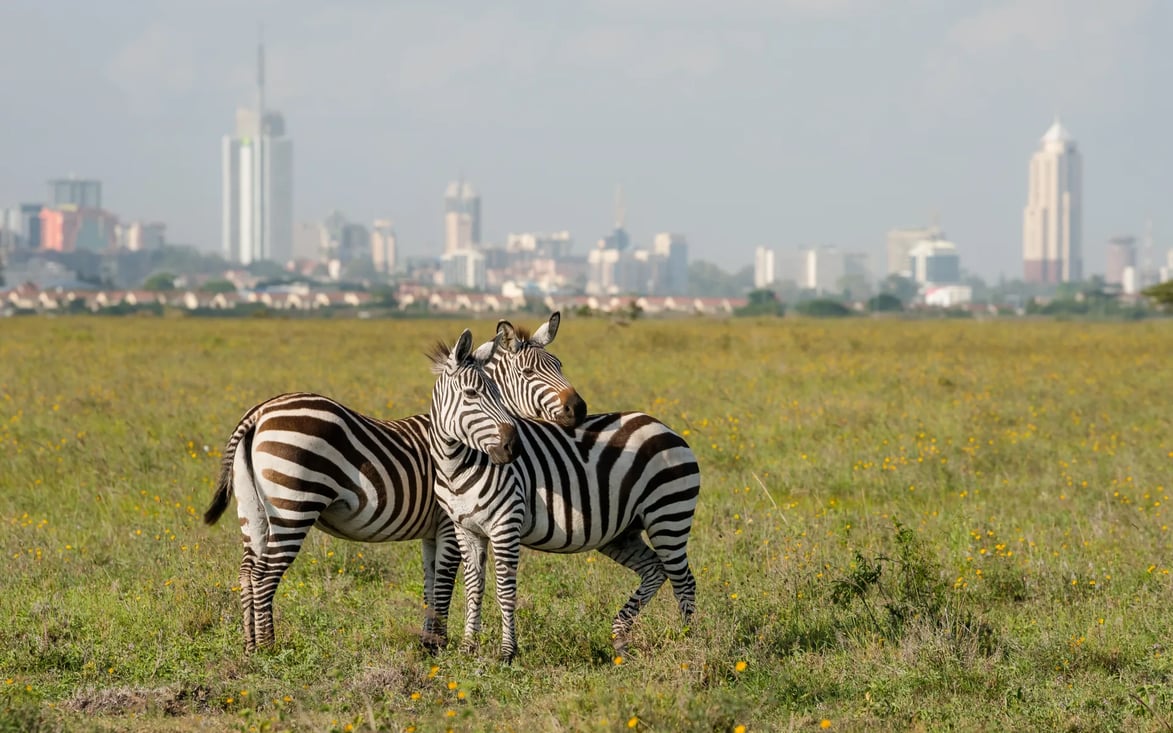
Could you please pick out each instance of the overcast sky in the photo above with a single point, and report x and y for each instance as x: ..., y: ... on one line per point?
x: 738, y: 123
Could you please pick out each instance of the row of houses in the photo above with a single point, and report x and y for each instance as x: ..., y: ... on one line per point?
x: 62, y: 299
x: 30, y: 298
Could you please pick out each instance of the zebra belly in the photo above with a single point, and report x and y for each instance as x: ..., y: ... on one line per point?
x: 552, y: 528
x: 340, y: 521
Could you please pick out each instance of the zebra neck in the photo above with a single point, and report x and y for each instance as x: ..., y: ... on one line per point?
x: 450, y: 455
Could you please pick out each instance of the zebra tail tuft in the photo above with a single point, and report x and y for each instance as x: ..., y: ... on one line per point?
x: 224, y: 485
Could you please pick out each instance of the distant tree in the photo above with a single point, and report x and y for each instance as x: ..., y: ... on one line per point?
x: 980, y: 291
x: 885, y: 303
x: 902, y: 287
x: 708, y: 280
x: 762, y: 303
x: 160, y: 282
x: 361, y: 269
x: 218, y: 286
x: 184, y: 259
x: 266, y: 269
x: 823, y: 308
x: 384, y: 295
x: 1161, y: 294
x: 854, y: 286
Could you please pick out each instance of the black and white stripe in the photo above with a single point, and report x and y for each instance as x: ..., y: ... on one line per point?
x: 598, y: 487
x: 301, y: 460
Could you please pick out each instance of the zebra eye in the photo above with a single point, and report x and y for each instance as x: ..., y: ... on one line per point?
x: 470, y: 393
x: 527, y: 372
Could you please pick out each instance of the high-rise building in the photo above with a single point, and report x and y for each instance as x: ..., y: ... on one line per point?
x: 763, y: 268
x: 462, y: 217
x: 139, y: 236
x: 464, y: 268
x: 672, y: 251
x: 1052, y: 228
x: 257, y: 203
x: 935, y: 262
x: 828, y: 270
x: 79, y: 192
x: 554, y: 244
x: 383, y: 252
x: 901, y: 242
x: 1121, y: 256
x: 307, y: 241
x: 22, y: 226
x: 70, y: 228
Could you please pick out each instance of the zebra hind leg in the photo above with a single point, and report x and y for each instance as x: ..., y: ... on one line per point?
x: 281, y: 547
x: 672, y: 548
x: 254, y: 528
x: 630, y: 551
x: 246, y: 599
x: 446, y: 566
x: 472, y: 549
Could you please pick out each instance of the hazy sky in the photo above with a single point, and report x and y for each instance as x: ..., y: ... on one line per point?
x: 739, y: 123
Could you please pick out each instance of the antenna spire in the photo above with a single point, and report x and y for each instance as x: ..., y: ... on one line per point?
x: 260, y: 79
x: 620, y: 211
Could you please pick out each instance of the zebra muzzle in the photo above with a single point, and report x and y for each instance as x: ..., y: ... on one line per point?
x: 506, y: 450
x: 573, y: 411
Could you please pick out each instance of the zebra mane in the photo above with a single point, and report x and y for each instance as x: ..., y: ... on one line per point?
x: 523, y: 334
x: 438, y: 354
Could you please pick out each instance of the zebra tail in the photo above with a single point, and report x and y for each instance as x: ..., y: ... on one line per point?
x: 224, y: 485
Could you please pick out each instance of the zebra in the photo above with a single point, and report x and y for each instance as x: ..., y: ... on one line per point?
x: 300, y: 460
x: 513, y: 482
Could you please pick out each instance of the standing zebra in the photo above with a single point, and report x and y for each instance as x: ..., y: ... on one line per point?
x: 596, y: 487
x: 300, y: 459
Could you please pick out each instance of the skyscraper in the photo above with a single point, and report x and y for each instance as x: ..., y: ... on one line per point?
x: 257, y: 204
x: 672, y: 251
x: 1052, y: 228
x: 462, y: 217
x: 82, y: 193
x: 763, y: 267
x: 1121, y: 256
x: 383, y: 252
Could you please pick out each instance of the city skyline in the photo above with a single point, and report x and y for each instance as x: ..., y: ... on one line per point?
x: 873, y: 122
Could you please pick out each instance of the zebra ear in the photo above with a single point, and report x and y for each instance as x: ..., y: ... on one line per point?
x: 507, y: 335
x: 484, y: 353
x: 545, y: 334
x: 463, y: 348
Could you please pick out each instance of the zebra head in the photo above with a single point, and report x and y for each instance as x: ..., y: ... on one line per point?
x: 467, y: 407
x: 530, y: 378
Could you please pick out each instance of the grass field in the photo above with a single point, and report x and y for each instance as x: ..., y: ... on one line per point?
x: 933, y: 525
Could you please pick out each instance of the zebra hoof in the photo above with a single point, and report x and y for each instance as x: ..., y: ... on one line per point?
x: 507, y: 658
x: 433, y: 644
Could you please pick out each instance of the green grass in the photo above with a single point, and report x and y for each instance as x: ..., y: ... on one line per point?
x: 933, y: 525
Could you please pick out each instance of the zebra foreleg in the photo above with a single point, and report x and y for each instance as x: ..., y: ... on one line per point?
x: 472, y: 549
x: 506, y: 552
x: 430, y: 638
x: 630, y: 551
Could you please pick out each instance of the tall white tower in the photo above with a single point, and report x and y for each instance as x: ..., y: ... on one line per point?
x: 1052, y: 230
x: 462, y: 217
x: 257, y: 183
